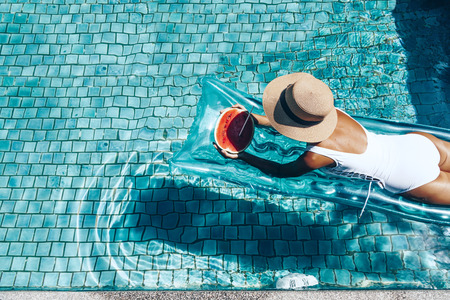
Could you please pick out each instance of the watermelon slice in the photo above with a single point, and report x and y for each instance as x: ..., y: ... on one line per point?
x: 228, y: 127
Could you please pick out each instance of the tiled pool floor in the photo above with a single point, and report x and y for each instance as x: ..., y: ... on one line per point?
x: 96, y: 97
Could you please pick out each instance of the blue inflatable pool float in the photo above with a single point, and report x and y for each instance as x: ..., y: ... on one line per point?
x: 198, y: 157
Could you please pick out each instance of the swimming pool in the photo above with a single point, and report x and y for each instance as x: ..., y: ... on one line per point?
x: 95, y: 98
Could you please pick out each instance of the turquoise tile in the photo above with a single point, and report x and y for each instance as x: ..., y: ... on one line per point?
x: 394, y: 261
x: 416, y: 243
x: 9, y: 220
x: 411, y: 260
x: 6, y: 263
x: 65, y: 280
x: 51, y: 279
x: 8, y: 207
x: 27, y: 235
x: 7, y: 279
x: 32, y: 264
x: 15, y: 249
x: 4, y: 248
x: 399, y: 242
x: 405, y: 275
x: 61, y: 264
x: 36, y: 279
x: 327, y: 276
x: 57, y: 249
x: 43, y: 248
x: 54, y: 234
x: 29, y: 249
x: 107, y: 278
x: 74, y: 264
x: 102, y: 264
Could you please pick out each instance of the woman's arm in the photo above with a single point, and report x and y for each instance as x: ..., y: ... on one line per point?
x: 292, y: 169
x: 261, y: 120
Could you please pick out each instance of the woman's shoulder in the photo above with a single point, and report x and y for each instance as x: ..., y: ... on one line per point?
x: 349, y: 136
x: 346, y: 120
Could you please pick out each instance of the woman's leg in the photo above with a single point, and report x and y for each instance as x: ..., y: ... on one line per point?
x: 435, y: 192
x: 443, y: 148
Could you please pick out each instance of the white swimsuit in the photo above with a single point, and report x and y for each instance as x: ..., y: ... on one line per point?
x: 399, y: 163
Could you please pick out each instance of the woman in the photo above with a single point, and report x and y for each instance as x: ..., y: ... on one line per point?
x: 301, y: 107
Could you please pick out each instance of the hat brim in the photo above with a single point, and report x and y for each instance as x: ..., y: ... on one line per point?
x: 280, y: 120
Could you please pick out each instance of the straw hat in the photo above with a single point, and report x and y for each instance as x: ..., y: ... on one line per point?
x: 301, y: 107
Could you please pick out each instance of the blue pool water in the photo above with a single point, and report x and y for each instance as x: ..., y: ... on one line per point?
x: 97, y: 96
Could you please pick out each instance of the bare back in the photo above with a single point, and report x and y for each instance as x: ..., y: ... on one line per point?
x: 348, y: 136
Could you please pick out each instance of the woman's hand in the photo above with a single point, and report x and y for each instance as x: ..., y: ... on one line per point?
x: 238, y: 106
x: 225, y: 153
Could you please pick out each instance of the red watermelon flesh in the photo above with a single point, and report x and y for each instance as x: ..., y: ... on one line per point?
x: 228, y: 127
